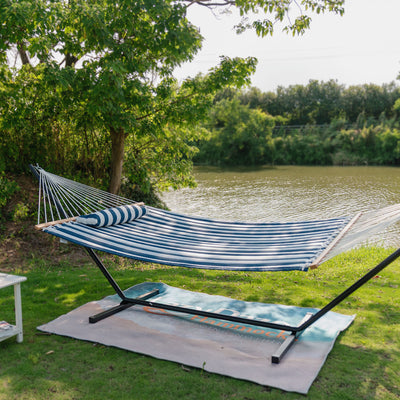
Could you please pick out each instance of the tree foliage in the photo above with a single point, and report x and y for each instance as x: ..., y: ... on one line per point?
x: 320, y: 102
x: 242, y: 132
x: 238, y: 135
x: 90, y: 83
x: 293, y: 16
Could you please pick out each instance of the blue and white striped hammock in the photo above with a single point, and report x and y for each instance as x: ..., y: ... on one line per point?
x: 168, y: 238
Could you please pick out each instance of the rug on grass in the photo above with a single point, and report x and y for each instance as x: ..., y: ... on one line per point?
x: 218, y: 346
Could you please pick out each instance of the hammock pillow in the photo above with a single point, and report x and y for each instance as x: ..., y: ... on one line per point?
x: 113, y: 216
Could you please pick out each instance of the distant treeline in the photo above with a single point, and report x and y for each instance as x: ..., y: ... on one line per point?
x: 321, y: 123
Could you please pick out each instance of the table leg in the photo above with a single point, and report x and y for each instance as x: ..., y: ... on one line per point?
x: 18, y: 311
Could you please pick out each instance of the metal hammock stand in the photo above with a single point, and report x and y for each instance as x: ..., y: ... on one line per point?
x: 172, y: 239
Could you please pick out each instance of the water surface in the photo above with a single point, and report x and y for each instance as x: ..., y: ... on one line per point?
x: 290, y: 193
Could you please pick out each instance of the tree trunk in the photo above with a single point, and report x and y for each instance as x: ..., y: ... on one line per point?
x: 70, y: 60
x: 117, y: 158
x: 23, y: 54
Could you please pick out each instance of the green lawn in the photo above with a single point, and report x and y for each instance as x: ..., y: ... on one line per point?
x: 364, y: 363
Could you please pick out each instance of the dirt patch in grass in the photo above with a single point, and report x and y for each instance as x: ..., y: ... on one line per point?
x: 20, y: 242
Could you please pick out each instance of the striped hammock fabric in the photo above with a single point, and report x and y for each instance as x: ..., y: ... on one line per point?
x: 168, y: 238
x: 172, y: 239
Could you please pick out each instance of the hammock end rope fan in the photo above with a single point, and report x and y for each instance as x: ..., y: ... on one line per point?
x: 98, y: 220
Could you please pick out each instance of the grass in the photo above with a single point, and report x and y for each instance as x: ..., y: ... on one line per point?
x: 363, y: 364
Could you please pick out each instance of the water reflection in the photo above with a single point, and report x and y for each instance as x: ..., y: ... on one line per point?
x: 290, y: 193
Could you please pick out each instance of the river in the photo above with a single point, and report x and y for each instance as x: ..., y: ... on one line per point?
x: 290, y: 193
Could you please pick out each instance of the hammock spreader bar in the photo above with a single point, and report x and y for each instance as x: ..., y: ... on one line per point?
x: 56, y: 198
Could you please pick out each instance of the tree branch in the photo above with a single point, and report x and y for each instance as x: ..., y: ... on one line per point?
x: 208, y: 3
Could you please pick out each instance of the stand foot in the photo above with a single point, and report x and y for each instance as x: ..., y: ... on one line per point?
x: 283, y: 348
x: 120, y: 307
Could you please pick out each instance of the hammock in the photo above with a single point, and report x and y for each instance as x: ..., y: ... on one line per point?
x: 98, y: 220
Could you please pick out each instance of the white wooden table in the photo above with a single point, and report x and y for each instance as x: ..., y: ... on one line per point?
x: 8, y: 330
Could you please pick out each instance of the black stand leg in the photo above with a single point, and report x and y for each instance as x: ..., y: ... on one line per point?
x: 295, y: 331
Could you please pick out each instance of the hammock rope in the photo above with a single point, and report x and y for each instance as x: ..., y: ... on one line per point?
x: 169, y: 238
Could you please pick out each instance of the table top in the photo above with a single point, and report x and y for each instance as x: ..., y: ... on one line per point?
x: 10, y: 280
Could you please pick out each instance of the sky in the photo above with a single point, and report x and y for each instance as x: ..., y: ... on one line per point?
x: 362, y: 46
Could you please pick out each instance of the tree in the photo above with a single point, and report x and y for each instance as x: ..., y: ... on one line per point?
x: 108, y: 66
x: 238, y: 135
x: 314, y: 103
